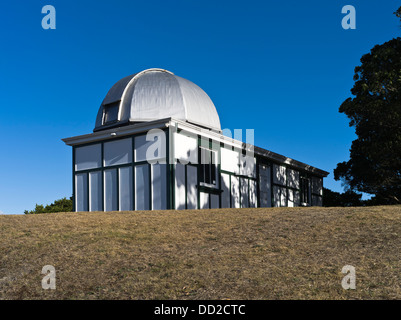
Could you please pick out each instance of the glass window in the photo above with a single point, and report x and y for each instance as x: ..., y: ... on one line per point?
x: 118, y: 152
x: 149, y: 150
x: 293, y: 178
x: 247, y: 165
x: 180, y: 186
x: 265, y: 186
x: 142, y: 187
x: 110, y: 190
x: 110, y: 112
x: 235, y: 194
x: 225, y: 186
x: 192, y: 194
x: 244, y: 192
x: 125, y: 189
x: 252, y: 194
x: 279, y: 174
x: 159, y: 187
x: 305, y: 198
x: 81, y: 192
x: 88, y: 157
x: 95, y: 194
x: 214, y: 201
x: 208, y: 170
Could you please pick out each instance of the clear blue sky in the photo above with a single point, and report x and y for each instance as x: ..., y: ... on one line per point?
x: 280, y: 67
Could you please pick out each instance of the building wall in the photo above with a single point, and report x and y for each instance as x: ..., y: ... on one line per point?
x: 186, y: 171
x: 286, y: 186
x: 116, y: 175
x: 238, y: 179
x: 317, y: 191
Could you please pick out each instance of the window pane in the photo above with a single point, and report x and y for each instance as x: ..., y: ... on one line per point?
x: 142, y: 187
x: 111, y: 112
x: 280, y: 197
x: 95, y: 195
x: 81, y: 192
x: 244, y: 193
x: 213, y: 169
x: 297, y: 199
x: 158, y: 151
x: 247, y: 165
x: 252, y: 194
x: 192, y: 194
x: 180, y: 186
x: 214, y: 201
x: 317, y: 185
x: 293, y: 178
x: 110, y: 190
x: 118, y: 152
x: 159, y: 187
x: 88, y: 157
x: 208, y: 167
x: 234, y: 192
x: 305, y: 190
x: 225, y: 186
x: 279, y: 174
x: 291, y: 200
x: 264, y: 186
x: 207, y: 173
x: 284, y: 197
x: 125, y: 188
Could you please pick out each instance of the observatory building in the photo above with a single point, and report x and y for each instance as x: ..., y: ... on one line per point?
x: 157, y: 144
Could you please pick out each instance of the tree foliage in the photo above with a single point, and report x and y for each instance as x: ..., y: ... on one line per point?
x: 346, y: 199
x: 349, y: 198
x: 61, y: 205
x: 398, y: 13
x: 375, y: 112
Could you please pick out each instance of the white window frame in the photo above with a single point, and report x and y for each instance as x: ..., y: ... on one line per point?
x: 214, y: 162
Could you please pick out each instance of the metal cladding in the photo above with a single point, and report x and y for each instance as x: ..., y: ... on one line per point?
x: 156, y: 94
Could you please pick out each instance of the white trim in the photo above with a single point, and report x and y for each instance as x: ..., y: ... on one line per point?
x: 215, y: 156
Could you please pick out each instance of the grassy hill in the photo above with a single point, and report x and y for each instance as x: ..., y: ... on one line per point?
x: 272, y: 253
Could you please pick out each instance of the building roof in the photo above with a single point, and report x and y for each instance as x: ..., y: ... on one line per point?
x: 155, y: 94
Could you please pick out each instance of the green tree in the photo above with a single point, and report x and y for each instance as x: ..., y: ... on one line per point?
x: 375, y: 112
x: 61, y: 205
x: 346, y: 199
x: 398, y: 13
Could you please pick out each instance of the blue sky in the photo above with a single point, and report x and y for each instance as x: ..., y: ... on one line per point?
x: 280, y: 67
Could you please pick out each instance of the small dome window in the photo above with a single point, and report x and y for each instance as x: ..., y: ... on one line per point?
x: 110, y: 112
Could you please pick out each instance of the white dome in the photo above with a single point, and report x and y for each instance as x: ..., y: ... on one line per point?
x: 156, y: 94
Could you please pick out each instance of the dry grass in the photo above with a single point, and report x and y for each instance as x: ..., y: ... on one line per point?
x: 274, y: 253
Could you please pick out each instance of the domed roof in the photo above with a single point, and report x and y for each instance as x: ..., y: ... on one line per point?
x: 156, y: 94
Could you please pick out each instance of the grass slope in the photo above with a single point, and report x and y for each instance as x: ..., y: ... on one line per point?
x: 272, y: 253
